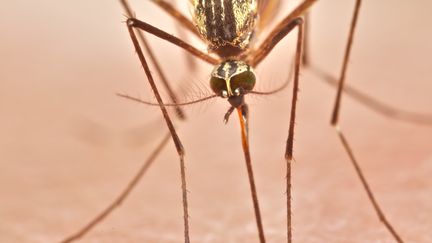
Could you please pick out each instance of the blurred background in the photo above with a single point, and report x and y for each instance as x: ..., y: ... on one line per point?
x: 68, y: 144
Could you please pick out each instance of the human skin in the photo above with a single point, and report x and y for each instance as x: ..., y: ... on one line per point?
x: 69, y: 145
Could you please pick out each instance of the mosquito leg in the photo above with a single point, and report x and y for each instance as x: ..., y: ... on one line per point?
x: 123, y: 195
x: 173, y: 12
x: 243, y: 117
x: 185, y: 23
x: 306, y: 46
x: 372, y: 103
x: 335, y: 120
x: 191, y: 62
x: 173, y: 97
x: 176, y: 139
x: 135, y: 23
x: 279, y: 32
x: 290, y: 140
x: 335, y: 114
x: 366, y: 186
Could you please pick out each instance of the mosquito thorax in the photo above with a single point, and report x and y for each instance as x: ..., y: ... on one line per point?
x: 227, y: 26
x: 232, y: 79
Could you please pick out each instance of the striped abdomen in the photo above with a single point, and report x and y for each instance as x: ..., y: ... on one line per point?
x: 227, y: 25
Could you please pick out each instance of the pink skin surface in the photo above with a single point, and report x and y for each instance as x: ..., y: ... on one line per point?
x: 69, y: 145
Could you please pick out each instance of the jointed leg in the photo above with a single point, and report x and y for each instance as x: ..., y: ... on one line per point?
x: 306, y: 44
x: 335, y: 115
x: 177, y: 142
x: 372, y: 103
x: 335, y: 120
x: 152, y: 157
x: 290, y: 140
x: 286, y: 26
x: 279, y: 32
x: 190, y: 60
x: 185, y: 23
x: 118, y: 201
x: 173, y: 97
x: 171, y: 10
x: 366, y: 186
x: 135, y: 23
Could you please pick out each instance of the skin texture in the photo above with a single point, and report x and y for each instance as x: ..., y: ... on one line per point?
x: 68, y: 145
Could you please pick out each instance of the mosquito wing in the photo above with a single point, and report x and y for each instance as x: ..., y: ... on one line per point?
x: 267, y: 10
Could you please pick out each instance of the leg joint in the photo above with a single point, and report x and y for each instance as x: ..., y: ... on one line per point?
x: 130, y: 22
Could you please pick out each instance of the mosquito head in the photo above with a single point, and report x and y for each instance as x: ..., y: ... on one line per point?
x: 232, y: 79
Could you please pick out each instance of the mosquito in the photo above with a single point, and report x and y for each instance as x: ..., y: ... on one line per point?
x: 228, y: 27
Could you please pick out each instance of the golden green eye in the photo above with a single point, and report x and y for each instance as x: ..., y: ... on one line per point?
x: 244, y: 80
x: 218, y: 85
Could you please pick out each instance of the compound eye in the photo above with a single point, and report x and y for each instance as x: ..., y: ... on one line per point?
x: 237, y: 92
x: 245, y: 81
x: 217, y: 85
